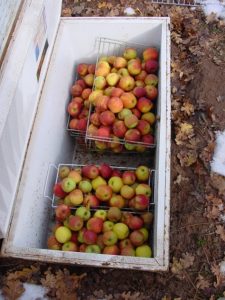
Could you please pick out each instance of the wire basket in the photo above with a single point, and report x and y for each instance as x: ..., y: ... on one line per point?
x: 110, y: 47
x: 55, y: 201
x: 180, y: 2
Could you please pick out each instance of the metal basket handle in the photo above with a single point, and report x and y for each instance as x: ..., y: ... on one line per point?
x: 48, y: 181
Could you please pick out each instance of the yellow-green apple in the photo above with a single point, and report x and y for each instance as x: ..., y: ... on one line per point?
x: 145, y: 233
x: 76, y: 90
x: 114, y: 214
x: 64, y: 171
x: 89, y: 79
x: 102, y: 68
x: 76, y: 197
x: 149, y: 117
x: 90, y: 171
x: 142, y: 173
x: 95, y: 119
x: 125, y: 243
x: 132, y: 135
x: 129, y: 100
x: 90, y: 237
x: 151, y: 79
x: 143, y: 251
x: 56, y: 225
x: 75, y: 223
x: 140, y: 202
x: 109, y: 238
x: 147, y: 217
x: 93, y: 249
x: 91, y: 200
x: 105, y: 170
x: 127, y: 83
x: 111, y: 250
x: 144, y: 127
x: 100, y: 82
x: 107, y: 118
x: 75, y: 175
x: 114, y: 141
x: 99, y: 241
x: 62, y: 212
x: 127, y: 192
x: 121, y: 230
x: 93, y: 96
x: 58, y: 191
x: 68, y: 184
x: 116, y: 92
x: 135, y: 223
x: 97, y: 182
x: 129, y: 177
x: 86, y: 93
x: 137, y: 238
x: 108, y: 91
x: 111, y: 59
x: 95, y: 224
x: 112, y: 79
x: 69, y: 246
x: 101, y: 213
x: 150, y: 53
x: 119, y: 128
x: 101, y: 145
x: 139, y: 91
x: 115, y: 183
x: 130, y: 53
x: 120, y: 62
x: 115, y: 104
x: 136, y: 112
x: 91, y: 68
x: 117, y: 201
x: 107, y: 226
x: 101, y: 103
x: 151, y: 92
x: 80, y: 236
x: 63, y: 234
x: 144, y: 104
x: 53, y: 244
x: 131, y: 121
x: 123, y: 72
x: 92, y: 130
x: 127, y: 251
x: 148, y: 139
x: 104, y: 192
x: 134, y: 66
x: 83, y: 212
x: 82, y: 248
x: 82, y: 69
x: 151, y: 66
x: 74, y: 108
x: 124, y: 112
x: 129, y: 147
x: 139, y: 83
x: 143, y: 189
x: 141, y: 76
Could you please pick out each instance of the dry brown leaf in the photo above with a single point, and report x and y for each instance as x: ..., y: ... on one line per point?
x: 219, y: 277
x: 184, y: 133
x: 188, y: 108
x: 13, y: 289
x: 180, y: 179
x: 218, y: 182
x: 187, y: 158
x: 221, y: 231
x: 202, y: 283
x: 187, y: 260
x: 24, y: 275
x: 130, y: 296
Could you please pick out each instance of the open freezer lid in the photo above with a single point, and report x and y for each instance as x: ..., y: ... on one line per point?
x: 21, y: 79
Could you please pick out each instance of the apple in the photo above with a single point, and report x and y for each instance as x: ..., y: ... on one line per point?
x: 144, y: 105
x: 121, y: 230
x: 111, y: 59
x: 91, y: 68
x: 126, y: 217
x: 82, y: 69
x: 101, y: 146
x: 107, y: 118
x: 76, y: 90
x: 141, y: 76
x: 62, y: 212
x: 83, y: 212
x: 90, y: 171
x: 92, y: 130
x: 130, y: 53
x: 144, y: 127
x: 99, y: 241
x: 129, y: 177
x: 143, y: 189
x: 73, y: 123
x: 112, y: 79
x: 95, y: 224
x: 74, y: 108
x: 134, y: 66
x: 64, y: 171
x: 143, y: 251
x: 86, y: 93
x: 56, y: 225
x: 104, y: 192
x: 129, y: 147
x: 91, y: 200
x: 116, y: 173
x: 118, y: 149
x: 63, y: 234
x: 109, y: 238
x: 78, y: 100
x: 132, y: 135
x: 82, y: 124
x: 94, y: 95
x: 53, y: 244
x: 145, y: 233
x: 119, y: 128
x: 69, y: 246
x: 151, y: 92
x: 117, y: 201
x: 85, y: 186
x: 105, y: 170
x: 136, y: 112
x: 101, y: 103
x: 82, y: 248
x: 80, y: 236
x: 115, y: 183
x: 139, y: 91
x: 150, y: 53
x: 135, y: 223
x: 74, y: 237
x: 90, y: 237
x: 147, y: 139
x: 100, y: 82
x: 68, y: 184
x: 97, y: 182
x: 141, y: 202
x: 149, y: 117
x: 75, y: 223
x: 89, y: 79
x: 128, y: 251
x: 108, y: 91
x: 127, y: 83
x: 102, y: 68
x: 125, y: 243
x: 75, y: 175
x: 129, y: 100
x: 123, y: 72
x: 131, y: 121
x: 58, y: 191
x: 151, y: 66
x: 101, y: 213
x: 116, y: 92
x: 103, y: 132
x: 103, y: 58
x: 111, y: 250
x: 147, y: 217
x: 124, y: 113
x: 127, y: 192
x: 151, y: 79
x: 137, y: 238
x: 93, y: 249
x: 142, y: 173
x: 95, y: 119
x: 76, y: 197
x: 120, y: 62
x: 107, y: 226
x: 114, y: 214
x: 115, y: 104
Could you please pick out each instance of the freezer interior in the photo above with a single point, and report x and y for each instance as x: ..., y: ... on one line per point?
x: 50, y: 143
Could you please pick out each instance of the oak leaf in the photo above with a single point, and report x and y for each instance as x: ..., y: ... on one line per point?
x: 221, y: 231
x: 202, y: 283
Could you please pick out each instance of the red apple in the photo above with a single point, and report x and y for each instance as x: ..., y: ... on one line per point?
x: 76, y: 90
x: 58, y: 191
x: 115, y: 104
x: 99, y: 241
x: 91, y: 200
x: 116, y: 92
x: 74, y: 109
x: 95, y: 119
x: 119, y: 62
x: 125, y: 243
x: 74, y: 237
x: 82, y: 69
x: 78, y: 100
x: 139, y: 91
x: 105, y: 170
x: 117, y: 201
x: 62, y: 212
x: 101, y: 103
x: 90, y: 171
x: 134, y: 66
x: 109, y: 238
x: 136, y: 112
x: 82, y: 248
x: 126, y: 217
x: 75, y: 223
x: 129, y: 100
x: 151, y: 92
x: 127, y: 83
x: 144, y: 105
x: 91, y: 68
x: 150, y: 53
x: 147, y: 217
x: 119, y: 129
x: 133, y: 135
x: 106, y: 118
x: 90, y: 237
x: 111, y: 250
x: 135, y: 223
x: 53, y: 244
x: 137, y: 238
x: 104, y: 192
x: 151, y: 66
x: 116, y: 173
x: 103, y: 132
x: 73, y: 124
x: 144, y: 127
x: 128, y: 251
x: 148, y: 139
x: 114, y: 214
x: 129, y: 177
x: 86, y: 93
x: 95, y: 224
x: 141, y: 202
x: 81, y: 124
x: 141, y: 76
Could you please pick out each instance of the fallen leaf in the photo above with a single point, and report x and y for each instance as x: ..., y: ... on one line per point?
x: 221, y: 231
x: 184, y: 133
x: 187, y: 260
x: 180, y: 179
x: 220, y: 279
x: 202, y: 283
x: 188, y: 108
x: 13, y: 289
x: 187, y: 157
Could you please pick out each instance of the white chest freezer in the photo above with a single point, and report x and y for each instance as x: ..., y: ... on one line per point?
x: 36, y: 76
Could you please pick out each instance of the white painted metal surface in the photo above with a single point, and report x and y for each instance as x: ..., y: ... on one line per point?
x: 50, y: 143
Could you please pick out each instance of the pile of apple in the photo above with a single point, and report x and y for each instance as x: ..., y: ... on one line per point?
x: 108, y: 232
x: 78, y: 107
x: 124, y: 93
x: 104, y: 186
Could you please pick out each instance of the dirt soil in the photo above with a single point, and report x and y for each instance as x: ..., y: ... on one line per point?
x: 197, y: 229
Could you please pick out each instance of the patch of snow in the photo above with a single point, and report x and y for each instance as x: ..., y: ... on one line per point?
x: 214, y: 6
x: 33, y: 292
x: 218, y: 162
x: 129, y: 11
